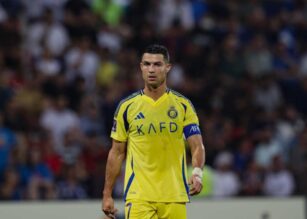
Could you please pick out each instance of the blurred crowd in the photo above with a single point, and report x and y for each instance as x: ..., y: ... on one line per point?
x: 65, y: 65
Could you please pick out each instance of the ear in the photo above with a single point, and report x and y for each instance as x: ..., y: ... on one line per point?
x: 168, y: 67
x: 141, y: 65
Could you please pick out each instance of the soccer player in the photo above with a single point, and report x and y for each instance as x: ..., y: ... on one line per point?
x: 149, y: 131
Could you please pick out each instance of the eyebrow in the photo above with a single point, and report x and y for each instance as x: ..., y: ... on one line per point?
x: 148, y: 62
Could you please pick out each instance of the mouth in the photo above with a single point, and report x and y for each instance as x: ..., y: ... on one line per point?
x: 152, y: 78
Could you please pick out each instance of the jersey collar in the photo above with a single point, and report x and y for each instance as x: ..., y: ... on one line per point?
x: 155, y: 102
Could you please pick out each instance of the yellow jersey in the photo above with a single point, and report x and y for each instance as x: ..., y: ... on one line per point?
x: 155, y: 133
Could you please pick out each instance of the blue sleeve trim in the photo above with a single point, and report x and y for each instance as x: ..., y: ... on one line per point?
x: 129, y: 181
x: 126, y: 119
x: 185, y: 110
x: 185, y: 179
x: 192, y: 129
x: 128, y: 185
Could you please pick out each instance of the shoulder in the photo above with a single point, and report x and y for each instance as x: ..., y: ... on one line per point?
x: 131, y: 97
x: 185, y: 102
x: 125, y: 102
x: 180, y: 97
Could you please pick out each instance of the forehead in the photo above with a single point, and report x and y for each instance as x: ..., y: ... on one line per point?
x: 148, y: 57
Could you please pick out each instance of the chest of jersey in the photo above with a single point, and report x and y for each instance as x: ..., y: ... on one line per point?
x: 164, y: 119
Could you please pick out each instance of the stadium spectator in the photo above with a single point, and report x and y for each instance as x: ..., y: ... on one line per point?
x: 175, y: 11
x: 46, y: 33
x: 7, y: 143
x: 267, y: 147
x: 267, y: 94
x: 71, y: 148
x: 37, y: 177
x: 58, y: 119
x: 258, y: 57
x: 225, y: 180
x: 10, y: 187
x: 82, y: 61
x: 70, y: 187
x: 298, y: 164
x: 278, y: 181
x: 252, y: 180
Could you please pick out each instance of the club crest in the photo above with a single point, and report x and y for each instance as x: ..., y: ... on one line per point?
x: 172, y: 112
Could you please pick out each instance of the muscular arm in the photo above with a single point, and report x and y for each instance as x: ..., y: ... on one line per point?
x: 116, y: 157
x: 198, y: 160
x: 197, y: 150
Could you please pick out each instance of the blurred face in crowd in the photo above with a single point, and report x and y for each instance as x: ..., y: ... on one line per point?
x: 11, y: 177
x: 154, y: 70
x: 61, y: 102
x: 35, y: 156
x: 277, y: 163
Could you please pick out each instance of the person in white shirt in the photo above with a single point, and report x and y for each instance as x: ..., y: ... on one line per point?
x: 278, y: 180
x: 225, y: 181
x: 59, y: 119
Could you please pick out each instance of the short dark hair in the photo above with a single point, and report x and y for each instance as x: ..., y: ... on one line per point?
x: 158, y: 49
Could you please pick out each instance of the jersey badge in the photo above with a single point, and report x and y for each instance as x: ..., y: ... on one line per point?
x: 172, y: 112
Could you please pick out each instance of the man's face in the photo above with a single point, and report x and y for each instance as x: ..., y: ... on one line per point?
x: 154, y: 69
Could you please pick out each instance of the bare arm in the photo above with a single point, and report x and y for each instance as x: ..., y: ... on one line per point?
x: 197, y: 150
x: 116, y: 157
x: 198, y: 160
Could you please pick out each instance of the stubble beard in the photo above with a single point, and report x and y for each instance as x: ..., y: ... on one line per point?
x: 155, y: 86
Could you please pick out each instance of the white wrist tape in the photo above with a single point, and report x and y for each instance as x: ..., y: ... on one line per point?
x: 198, y: 171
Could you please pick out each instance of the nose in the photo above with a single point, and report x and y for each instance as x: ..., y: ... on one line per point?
x: 151, y: 68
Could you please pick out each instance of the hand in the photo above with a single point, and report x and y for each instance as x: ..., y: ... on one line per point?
x: 196, y: 185
x: 108, y: 207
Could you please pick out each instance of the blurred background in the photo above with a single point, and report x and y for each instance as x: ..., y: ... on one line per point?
x: 65, y: 65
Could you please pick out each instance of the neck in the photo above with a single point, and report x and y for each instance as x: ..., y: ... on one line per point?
x: 155, y: 93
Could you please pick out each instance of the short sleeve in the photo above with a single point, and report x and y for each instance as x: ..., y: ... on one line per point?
x: 120, y: 124
x: 190, y: 114
x: 190, y: 123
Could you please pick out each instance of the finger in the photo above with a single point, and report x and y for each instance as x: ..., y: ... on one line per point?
x: 108, y: 212
x: 112, y: 216
x: 110, y: 209
x: 196, y: 188
x: 192, y: 190
x: 109, y: 215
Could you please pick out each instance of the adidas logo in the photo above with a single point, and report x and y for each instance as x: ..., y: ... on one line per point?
x: 139, y: 116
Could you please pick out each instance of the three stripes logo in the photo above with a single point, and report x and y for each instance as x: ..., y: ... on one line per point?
x: 139, y: 116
